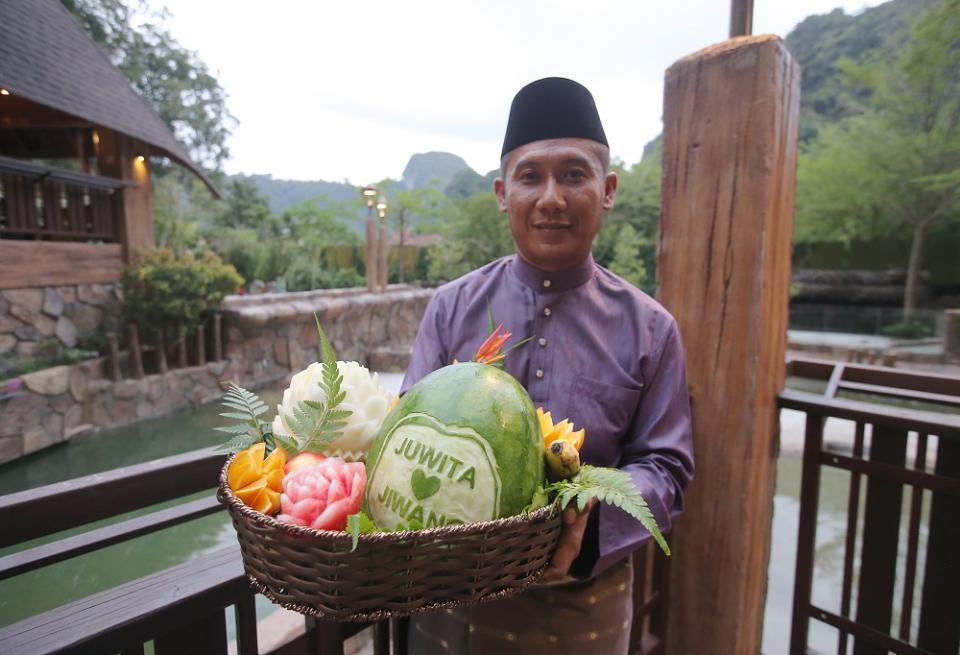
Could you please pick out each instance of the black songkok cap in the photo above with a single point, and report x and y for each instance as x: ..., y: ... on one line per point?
x: 552, y: 108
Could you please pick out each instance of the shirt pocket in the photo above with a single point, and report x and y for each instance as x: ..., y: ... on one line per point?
x: 606, y: 411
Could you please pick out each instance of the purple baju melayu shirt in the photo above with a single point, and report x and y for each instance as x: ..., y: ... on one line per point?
x: 604, y: 354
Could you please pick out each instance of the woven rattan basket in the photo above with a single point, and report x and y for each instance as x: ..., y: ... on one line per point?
x: 390, y: 574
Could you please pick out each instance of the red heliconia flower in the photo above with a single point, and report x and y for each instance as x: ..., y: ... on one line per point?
x: 489, y: 351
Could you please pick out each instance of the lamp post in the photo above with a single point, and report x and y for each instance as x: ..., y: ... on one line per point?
x: 369, y: 193
x: 382, y: 266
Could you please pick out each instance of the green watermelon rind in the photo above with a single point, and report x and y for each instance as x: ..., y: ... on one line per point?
x: 454, y: 431
x: 490, y: 402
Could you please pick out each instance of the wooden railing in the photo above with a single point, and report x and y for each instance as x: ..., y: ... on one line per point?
x: 889, y: 558
x: 179, y: 609
x: 41, y: 202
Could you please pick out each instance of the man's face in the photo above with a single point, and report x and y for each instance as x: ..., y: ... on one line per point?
x: 554, y: 193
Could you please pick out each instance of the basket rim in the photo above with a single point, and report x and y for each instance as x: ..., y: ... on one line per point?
x: 227, y: 497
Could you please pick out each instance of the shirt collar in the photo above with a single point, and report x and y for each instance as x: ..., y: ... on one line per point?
x: 552, y: 281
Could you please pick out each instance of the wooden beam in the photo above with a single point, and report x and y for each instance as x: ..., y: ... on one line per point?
x: 723, y: 270
x: 52, y: 263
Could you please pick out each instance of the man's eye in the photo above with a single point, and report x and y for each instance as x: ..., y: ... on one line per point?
x: 576, y: 175
x: 528, y: 176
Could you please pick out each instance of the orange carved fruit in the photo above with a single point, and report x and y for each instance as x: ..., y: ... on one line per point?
x: 256, y: 481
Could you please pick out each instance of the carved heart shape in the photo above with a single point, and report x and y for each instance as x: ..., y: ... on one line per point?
x: 423, y: 485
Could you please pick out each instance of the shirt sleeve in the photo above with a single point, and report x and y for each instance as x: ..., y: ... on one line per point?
x: 658, y: 454
x: 429, y: 349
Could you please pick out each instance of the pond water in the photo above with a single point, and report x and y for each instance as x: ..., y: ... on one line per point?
x: 189, y: 429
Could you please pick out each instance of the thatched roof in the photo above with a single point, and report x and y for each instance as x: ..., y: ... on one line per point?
x: 47, y: 58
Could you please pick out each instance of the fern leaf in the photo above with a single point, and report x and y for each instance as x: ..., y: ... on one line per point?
x: 237, y: 428
x: 325, y: 347
x: 238, y: 443
x: 611, y: 486
x: 237, y: 415
x: 289, y: 444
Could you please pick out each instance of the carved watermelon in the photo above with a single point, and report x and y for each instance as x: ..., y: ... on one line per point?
x: 463, y: 445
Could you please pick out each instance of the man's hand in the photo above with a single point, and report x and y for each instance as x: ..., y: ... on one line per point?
x: 571, y: 538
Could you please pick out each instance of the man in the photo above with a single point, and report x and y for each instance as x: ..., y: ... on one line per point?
x: 604, y: 355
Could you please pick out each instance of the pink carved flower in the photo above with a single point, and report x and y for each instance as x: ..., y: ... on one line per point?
x: 323, y: 495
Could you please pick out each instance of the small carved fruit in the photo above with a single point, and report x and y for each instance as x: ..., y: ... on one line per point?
x: 258, y: 481
x: 562, y: 431
x: 562, y: 460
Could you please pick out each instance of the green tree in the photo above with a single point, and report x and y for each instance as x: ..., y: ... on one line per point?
x: 409, y: 208
x: 626, y: 242
x: 173, y: 79
x: 895, y: 166
x: 474, y: 234
x: 244, y: 207
x: 627, y: 256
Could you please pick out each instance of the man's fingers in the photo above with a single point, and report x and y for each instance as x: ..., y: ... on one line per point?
x: 568, y: 546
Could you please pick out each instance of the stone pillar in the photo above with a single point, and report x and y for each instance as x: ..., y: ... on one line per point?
x: 723, y: 270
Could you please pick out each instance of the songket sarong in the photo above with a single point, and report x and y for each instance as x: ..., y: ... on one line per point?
x: 582, y: 617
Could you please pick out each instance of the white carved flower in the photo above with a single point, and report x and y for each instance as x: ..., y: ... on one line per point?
x: 365, y: 398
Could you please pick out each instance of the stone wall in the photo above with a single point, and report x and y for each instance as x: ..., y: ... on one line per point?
x: 30, y: 316
x: 64, y: 402
x: 271, y: 336
x: 268, y: 338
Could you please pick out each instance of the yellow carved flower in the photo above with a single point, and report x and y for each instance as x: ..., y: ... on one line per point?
x: 562, y: 431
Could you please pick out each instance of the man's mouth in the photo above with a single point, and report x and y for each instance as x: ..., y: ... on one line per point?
x: 552, y: 226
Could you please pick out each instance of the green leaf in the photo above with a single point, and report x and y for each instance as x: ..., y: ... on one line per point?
x: 326, y: 348
x: 358, y: 524
x: 287, y: 443
x: 612, y: 486
x: 238, y: 428
x: 237, y: 415
x: 250, y: 407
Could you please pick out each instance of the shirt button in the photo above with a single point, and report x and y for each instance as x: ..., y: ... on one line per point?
x: 546, y: 284
x: 542, y: 341
x: 546, y: 311
x: 539, y: 374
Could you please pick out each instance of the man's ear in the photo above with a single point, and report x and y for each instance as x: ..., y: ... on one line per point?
x: 500, y: 189
x: 610, y: 189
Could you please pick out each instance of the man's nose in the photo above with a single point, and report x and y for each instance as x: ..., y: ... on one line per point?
x: 551, y: 196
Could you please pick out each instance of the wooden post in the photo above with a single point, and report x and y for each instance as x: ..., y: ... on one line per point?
x: 741, y: 18
x: 383, y: 268
x: 723, y: 270
x: 371, y: 256
x: 201, y: 346
x: 114, y: 356
x: 161, y: 353
x: 217, y: 341
x: 136, y: 354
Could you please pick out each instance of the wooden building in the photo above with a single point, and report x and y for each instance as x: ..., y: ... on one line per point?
x: 75, y: 146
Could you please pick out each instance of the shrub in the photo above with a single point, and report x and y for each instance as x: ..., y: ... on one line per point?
x: 305, y: 273
x: 908, y: 329
x: 168, y: 291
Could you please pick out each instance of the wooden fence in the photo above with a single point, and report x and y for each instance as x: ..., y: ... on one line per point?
x: 190, y: 349
x: 880, y: 472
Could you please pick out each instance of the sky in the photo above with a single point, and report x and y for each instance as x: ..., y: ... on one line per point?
x: 350, y: 90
